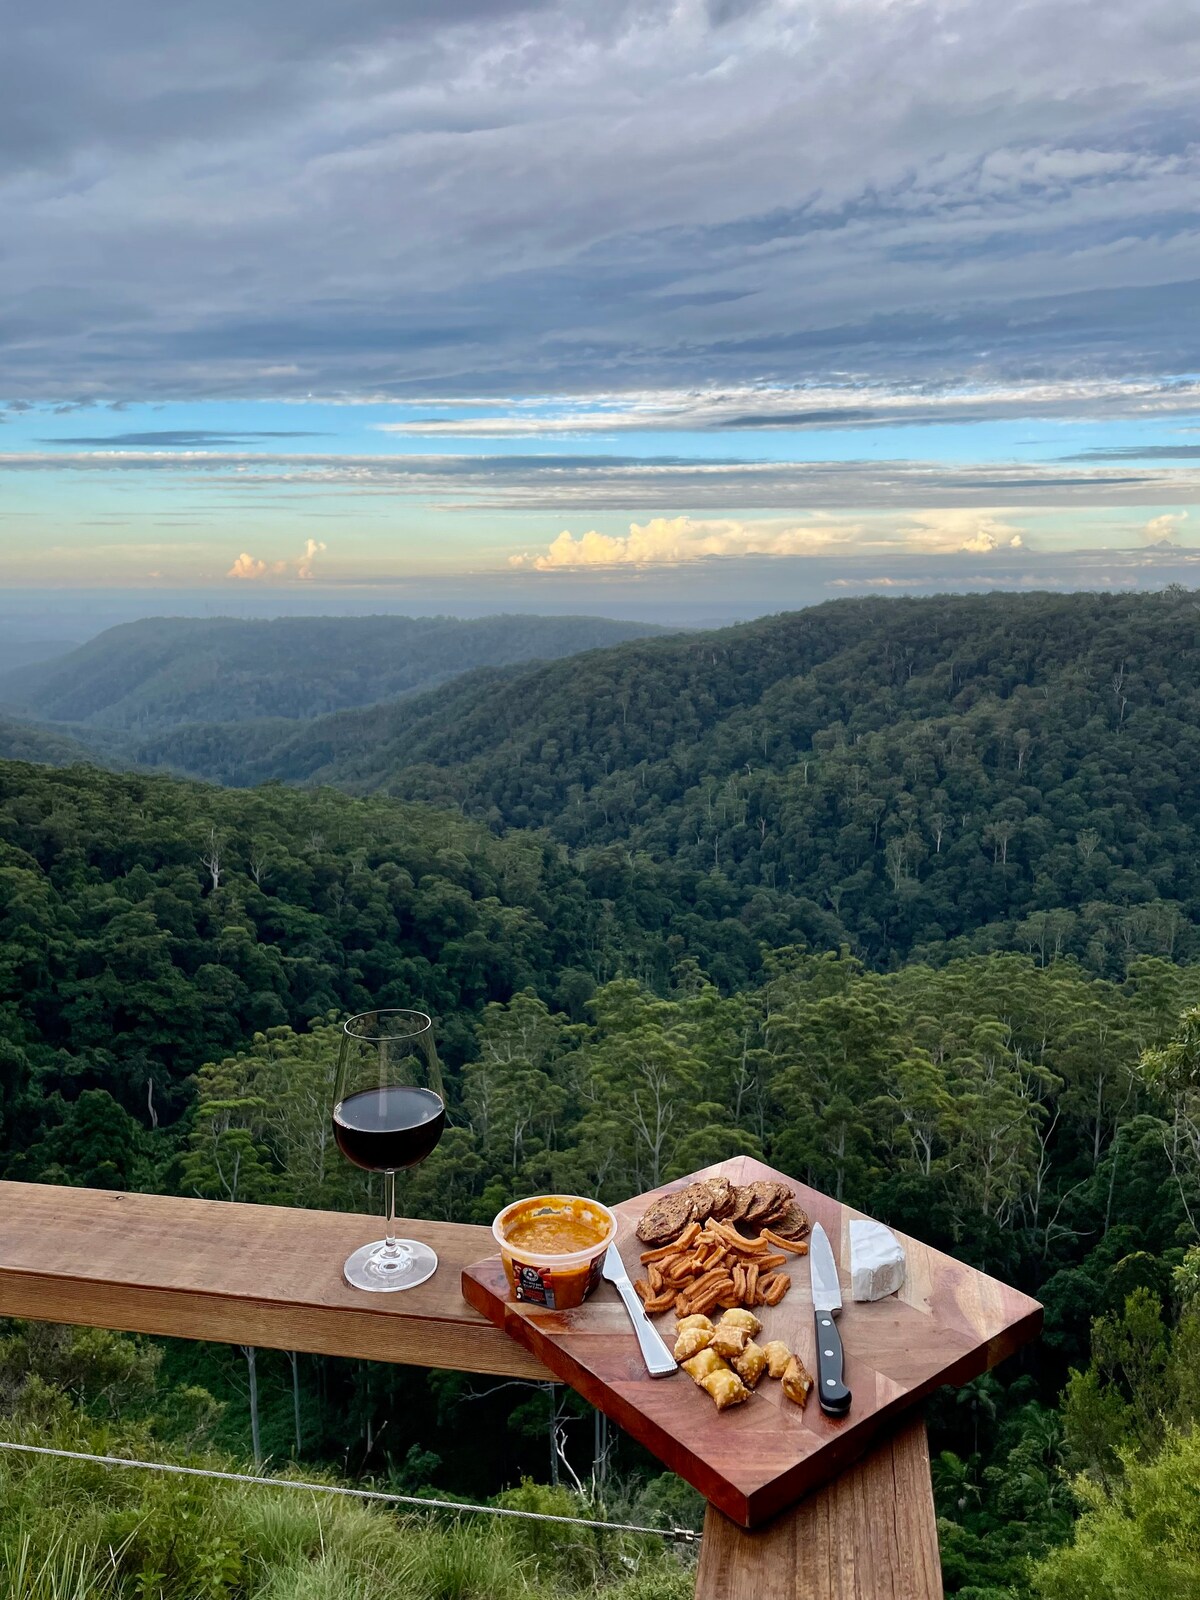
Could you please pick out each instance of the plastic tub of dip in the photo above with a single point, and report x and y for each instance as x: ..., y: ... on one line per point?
x: 553, y: 1247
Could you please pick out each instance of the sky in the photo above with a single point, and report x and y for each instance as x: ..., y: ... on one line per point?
x: 697, y: 309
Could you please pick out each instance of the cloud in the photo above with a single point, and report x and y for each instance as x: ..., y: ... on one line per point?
x: 960, y: 532
x: 252, y: 569
x: 581, y: 484
x: 1164, y: 530
x: 802, y: 407
x: 619, y: 196
x: 248, y: 567
x: 671, y: 541
x: 304, y: 564
x: 179, y: 438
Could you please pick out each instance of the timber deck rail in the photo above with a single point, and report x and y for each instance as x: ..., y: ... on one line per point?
x: 271, y: 1276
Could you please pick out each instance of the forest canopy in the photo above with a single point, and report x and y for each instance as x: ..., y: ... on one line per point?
x: 899, y: 896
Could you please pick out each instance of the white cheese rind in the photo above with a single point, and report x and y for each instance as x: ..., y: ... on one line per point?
x: 876, y: 1261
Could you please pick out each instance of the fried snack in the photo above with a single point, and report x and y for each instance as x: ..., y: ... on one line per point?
x: 661, y: 1302
x: 728, y: 1340
x: 644, y: 1291
x: 679, y: 1269
x: 733, y: 1240
x: 778, y: 1355
x: 751, y: 1364
x: 687, y: 1237
x: 797, y: 1381
x: 794, y: 1245
x: 699, y: 1366
x: 725, y: 1388
x: 714, y: 1265
x: 690, y: 1342
x: 714, y: 1296
x: 776, y: 1286
x: 741, y: 1318
x: 685, y: 1324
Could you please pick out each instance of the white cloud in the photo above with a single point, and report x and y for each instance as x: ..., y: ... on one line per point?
x: 304, y: 565
x: 958, y: 532
x: 1164, y: 529
x: 252, y: 569
x: 248, y: 567
x: 669, y: 541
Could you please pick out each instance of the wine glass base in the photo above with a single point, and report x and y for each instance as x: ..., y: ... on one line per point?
x: 382, y: 1271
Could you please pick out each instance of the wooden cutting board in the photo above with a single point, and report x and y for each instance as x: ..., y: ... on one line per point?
x: 947, y: 1324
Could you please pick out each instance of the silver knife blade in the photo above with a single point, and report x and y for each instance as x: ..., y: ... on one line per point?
x: 659, y: 1360
x: 826, y: 1290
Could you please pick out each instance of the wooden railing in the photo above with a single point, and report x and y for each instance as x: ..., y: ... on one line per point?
x: 270, y: 1276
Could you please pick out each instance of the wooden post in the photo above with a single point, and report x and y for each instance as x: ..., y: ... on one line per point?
x: 270, y: 1276
x: 870, y: 1534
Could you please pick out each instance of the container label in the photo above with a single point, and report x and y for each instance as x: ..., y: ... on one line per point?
x: 534, y: 1284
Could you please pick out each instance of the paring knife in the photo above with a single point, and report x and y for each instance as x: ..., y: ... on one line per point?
x: 659, y: 1360
x: 827, y: 1302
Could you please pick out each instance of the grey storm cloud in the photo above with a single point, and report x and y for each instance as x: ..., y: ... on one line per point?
x: 489, y: 197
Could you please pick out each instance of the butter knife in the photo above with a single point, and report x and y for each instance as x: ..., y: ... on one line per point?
x: 659, y: 1360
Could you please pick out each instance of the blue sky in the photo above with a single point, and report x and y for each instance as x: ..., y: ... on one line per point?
x: 561, y: 305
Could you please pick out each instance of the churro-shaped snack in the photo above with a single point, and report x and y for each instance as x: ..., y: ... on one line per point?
x: 728, y: 1340
x: 778, y: 1355
x: 773, y: 1287
x: 690, y: 1341
x: 739, y: 1317
x: 797, y: 1381
x: 699, y: 1366
x: 725, y: 1388
x: 751, y: 1364
x: 694, y: 1321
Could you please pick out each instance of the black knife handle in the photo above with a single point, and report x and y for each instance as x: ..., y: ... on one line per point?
x: 832, y: 1392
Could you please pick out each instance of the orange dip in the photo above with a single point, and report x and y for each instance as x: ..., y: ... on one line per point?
x: 553, y: 1247
x: 558, y: 1233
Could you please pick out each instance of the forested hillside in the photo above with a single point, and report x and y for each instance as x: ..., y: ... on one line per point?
x: 933, y: 776
x: 939, y: 962
x: 23, y: 741
x: 162, y: 671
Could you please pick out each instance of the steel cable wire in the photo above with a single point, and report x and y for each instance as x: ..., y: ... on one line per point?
x: 421, y: 1502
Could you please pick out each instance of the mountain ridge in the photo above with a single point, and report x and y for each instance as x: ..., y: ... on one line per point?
x: 924, y: 770
x: 164, y: 671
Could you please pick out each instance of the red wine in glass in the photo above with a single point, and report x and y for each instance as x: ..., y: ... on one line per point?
x: 388, y: 1113
x: 384, y: 1129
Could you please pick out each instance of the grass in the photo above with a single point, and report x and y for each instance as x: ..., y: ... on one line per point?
x: 72, y: 1531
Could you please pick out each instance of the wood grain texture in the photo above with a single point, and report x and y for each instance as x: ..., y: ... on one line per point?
x: 870, y: 1534
x: 240, y: 1274
x: 948, y: 1324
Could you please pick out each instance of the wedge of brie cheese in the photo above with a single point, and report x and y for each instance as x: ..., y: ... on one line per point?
x: 876, y: 1261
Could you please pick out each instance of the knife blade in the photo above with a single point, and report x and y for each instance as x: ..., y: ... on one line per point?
x: 659, y: 1360
x: 827, y: 1302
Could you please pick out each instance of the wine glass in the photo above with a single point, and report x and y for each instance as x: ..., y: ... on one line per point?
x: 388, y: 1112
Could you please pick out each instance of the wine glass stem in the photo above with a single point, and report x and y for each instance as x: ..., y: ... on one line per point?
x: 389, y: 1243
